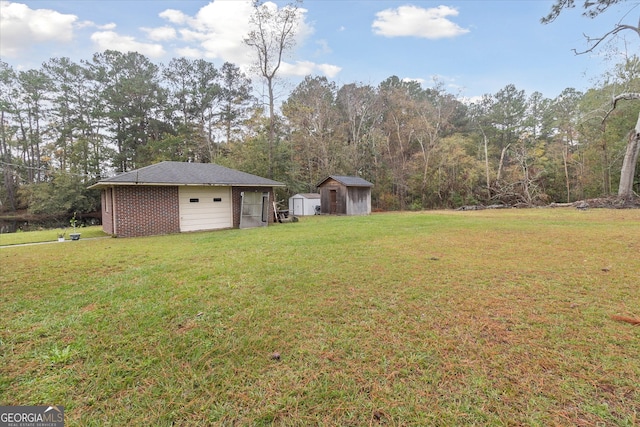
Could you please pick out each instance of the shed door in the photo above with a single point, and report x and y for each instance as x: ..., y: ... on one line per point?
x: 333, y: 202
x: 298, y: 206
x: 205, y: 208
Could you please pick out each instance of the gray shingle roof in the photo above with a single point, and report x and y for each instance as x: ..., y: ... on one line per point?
x: 181, y: 173
x: 349, y: 181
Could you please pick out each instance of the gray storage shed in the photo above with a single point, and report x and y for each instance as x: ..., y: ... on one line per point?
x: 345, y: 195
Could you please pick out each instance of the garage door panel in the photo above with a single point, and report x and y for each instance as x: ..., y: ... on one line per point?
x: 205, y: 208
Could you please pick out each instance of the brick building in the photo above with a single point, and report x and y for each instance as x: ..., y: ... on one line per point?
x: 174, y: 197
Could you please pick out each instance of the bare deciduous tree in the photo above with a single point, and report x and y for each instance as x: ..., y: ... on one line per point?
x: 273, y: 34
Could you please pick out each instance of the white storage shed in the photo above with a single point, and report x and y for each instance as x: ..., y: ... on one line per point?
x: 304, y: 204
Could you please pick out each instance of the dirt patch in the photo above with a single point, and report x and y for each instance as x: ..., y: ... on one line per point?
x: 89, y: 308
x: 186, y: 326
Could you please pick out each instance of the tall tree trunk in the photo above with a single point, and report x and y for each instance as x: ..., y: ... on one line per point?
x: 630, y: 161
x: 501, y: 164
x: 565, y: 160
x: 272, y: 125
x: 486, y: 161
x: 606, y: 170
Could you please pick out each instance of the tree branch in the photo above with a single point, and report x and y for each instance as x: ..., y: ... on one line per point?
x: 618, y: 28
x: 627, y: 96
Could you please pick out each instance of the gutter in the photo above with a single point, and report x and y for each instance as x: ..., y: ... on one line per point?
x: 175, y: 184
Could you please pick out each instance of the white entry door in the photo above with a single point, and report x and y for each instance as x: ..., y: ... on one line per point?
x: 298, y: 206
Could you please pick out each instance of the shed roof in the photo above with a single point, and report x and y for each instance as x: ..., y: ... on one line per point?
x: 182, y: 173
x: 348, y: 181
x: 308, y: 195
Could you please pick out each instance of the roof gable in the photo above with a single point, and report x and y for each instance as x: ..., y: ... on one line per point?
x: 348, y: 181
x: 182, y: 173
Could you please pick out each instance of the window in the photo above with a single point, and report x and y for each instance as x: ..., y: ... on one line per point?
x: 217, y: 199
x: 194, y: 200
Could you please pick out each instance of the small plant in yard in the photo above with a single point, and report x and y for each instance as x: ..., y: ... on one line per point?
x: 73, y: 221
x: 59, y: 356
x: 61, y: 237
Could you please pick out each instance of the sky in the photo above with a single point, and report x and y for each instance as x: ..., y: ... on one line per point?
x: 471, y: 47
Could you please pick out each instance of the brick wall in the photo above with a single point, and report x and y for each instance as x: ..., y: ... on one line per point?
x: 145, y: 210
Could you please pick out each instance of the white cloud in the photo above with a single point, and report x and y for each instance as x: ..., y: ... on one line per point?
x: 110, y: 40
x: 174, y: 16
x: 218, y: 30
x: 160, y: 33
x: 190, y: 52
x: 299, y: 69
x: 192, y: 36
x: 329, y: 70
x: 413, y: 21
x: 91, y: 24
x: 468, y: 100
x: 22, y: 27
x: 417, y: 80
x: 305, y: 68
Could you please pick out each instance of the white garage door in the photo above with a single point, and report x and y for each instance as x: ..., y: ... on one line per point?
x: 205, y: 208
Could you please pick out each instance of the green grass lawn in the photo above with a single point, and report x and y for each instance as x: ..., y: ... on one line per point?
x: 40, y: 236
x: 499, y: 318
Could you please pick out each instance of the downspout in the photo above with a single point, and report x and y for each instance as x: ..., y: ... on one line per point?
x: 114, y: 222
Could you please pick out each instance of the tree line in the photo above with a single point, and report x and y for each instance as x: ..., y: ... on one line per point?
x: 68, y: 124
